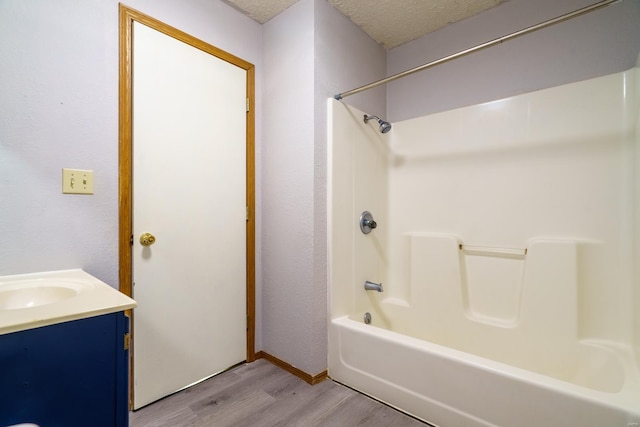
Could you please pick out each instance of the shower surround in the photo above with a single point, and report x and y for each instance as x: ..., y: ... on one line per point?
x: 505, y: 242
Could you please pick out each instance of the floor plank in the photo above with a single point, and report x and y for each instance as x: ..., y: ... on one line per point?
x: 261, y: 394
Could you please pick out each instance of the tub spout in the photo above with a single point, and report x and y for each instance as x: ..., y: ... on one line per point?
x: 370, y: 286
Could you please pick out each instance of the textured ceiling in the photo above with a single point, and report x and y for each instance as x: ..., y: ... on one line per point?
x: 260, y: 10
x: 389, y: 22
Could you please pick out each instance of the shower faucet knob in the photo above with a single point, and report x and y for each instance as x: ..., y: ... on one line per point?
x: 367, y: 222
x: 370, y: 223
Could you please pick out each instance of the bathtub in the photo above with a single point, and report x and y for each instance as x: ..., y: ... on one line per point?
x: 451, y: 388
x: 452, y: 358
x: 506, y: 243
x: 449, y: 355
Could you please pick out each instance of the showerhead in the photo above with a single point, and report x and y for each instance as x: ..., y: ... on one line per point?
x: 384, y: 126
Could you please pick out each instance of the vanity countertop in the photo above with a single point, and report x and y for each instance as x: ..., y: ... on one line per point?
x: 33, y: 300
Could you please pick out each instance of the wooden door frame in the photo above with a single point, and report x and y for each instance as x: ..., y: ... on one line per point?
x: 127, y: 16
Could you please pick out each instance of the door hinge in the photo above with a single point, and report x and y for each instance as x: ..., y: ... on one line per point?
x: 247, y: 105
x: 127, y: 341
x: 131, y: 240
x: 246, y: 216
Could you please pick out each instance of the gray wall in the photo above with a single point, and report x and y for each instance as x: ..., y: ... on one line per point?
x: 602, y: 42
x: 310, y: 52
x: 59, y: 108
x: 287, y: 208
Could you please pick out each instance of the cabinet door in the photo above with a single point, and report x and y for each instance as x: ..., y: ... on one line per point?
x: 69, y: 374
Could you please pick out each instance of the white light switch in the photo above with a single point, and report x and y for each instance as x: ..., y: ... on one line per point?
x: 77, y: 181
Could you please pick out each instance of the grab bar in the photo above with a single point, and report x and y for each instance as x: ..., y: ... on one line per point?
x: 494, y: 250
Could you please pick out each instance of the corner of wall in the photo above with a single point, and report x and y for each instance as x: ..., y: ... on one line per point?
x: 636, y: 215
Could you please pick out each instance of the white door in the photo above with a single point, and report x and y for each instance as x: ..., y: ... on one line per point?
x: 189, y: 192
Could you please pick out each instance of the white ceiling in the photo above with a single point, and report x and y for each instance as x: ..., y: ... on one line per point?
x: 389, y: 22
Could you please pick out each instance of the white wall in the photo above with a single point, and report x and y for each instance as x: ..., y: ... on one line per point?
x: 59, y: 108
x: 596, y: 44
x: 358, y: 180
x: 550, y: 167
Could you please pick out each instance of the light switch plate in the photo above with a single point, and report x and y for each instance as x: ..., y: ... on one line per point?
x: 77, y: 181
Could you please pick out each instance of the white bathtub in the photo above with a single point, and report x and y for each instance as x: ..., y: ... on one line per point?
x: 507, y: 245
x: 451, y: 388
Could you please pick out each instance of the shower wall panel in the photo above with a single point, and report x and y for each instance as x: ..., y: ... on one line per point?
x: 556, y: 164
x: 507, y: 243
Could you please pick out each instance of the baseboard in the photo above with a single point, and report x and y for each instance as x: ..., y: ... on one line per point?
x: 311, y: 379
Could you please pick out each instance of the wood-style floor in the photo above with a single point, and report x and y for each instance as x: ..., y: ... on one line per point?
x: 261, y: 394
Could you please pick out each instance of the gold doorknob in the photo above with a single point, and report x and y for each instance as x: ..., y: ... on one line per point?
x: 147, y: 239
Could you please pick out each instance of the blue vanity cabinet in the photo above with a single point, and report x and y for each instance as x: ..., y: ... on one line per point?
x: 71, y: 374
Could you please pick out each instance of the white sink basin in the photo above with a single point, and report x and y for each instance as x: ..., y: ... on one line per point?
x: 34, y: 293
x: 38, y: 299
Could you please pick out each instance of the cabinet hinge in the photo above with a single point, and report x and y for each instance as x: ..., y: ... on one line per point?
x: 127, y: 341
x: 247, y: 105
